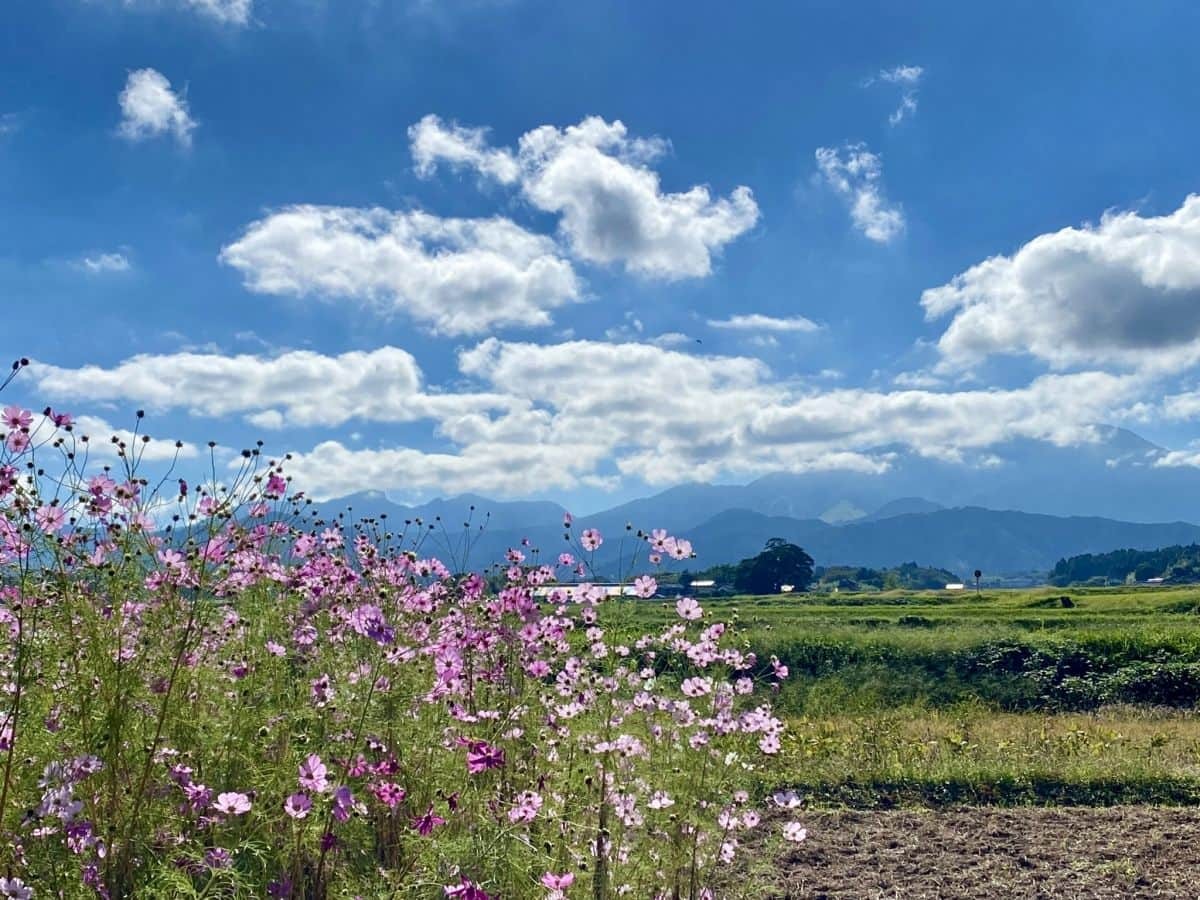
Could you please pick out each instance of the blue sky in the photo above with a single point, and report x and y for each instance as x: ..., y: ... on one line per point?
x: 584, y: 250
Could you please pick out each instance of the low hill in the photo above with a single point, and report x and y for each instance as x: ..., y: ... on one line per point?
x: 1174, y: 565
x: 960, y: 540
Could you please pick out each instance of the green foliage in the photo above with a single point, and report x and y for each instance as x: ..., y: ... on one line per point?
x: 908, y: 576
x: 779, y: 563
x: 1175, y: 565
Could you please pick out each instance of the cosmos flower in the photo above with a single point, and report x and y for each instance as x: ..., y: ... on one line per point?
x: 232, y: 803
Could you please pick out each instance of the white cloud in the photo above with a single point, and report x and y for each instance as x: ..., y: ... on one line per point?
x: 671, y: 339
x: 907, y: 107
x: 434, y: 141
x: 150, y: 108
x: 235, y: 12
x: 598, y: 180
x: 1125, y: 292
x: 100, y: 433
x: 919, y: 379
x: 226, y: 12
x: 523, y: 417
x: 759, y: 322
x: 908, y: 77
x: 1178, y: 459
x: 856, y: 174
x: 331, y: 469
x: 295, y: 389
x: 105, y: 263
x: 458, y: 276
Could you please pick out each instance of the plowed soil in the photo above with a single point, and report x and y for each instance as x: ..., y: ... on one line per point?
x: 1117, y: 852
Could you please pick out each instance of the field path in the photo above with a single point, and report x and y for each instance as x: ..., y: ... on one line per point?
x: 989, y: 852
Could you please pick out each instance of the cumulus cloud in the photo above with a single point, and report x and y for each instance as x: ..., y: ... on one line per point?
x: 435, y: 141
x: 457, y: 276
x: 522, y: 417
x: 295, y: 389
x: 103, y: 263
x: 599, y: 181
x: 1125, y: 292
x: 100, y: 434
x: 149, y: 108
x: 759, y: 322
x: 856, y: 175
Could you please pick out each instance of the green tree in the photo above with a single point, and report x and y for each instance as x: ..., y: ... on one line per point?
x: 780, y: 563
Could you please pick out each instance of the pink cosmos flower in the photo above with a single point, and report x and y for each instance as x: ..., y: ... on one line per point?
x: 314, y: 774
x: 17, y: 441
x: 343, y: 803
x: 322, y: 690
x: 232, y: 803
x: 645, y: 586
x: 591, y: 539
x: 660, y: 800
x: 50, y: 518
x: 15, y: 417
x: 297, y: 806
x: 794, y: 832
x: 786, y: 799
x: 688, y: 609
x: 781, y: 671
x: 558, y: 882
x: 276, y: 487
x: 389, y: 793
x: 15, y: 889
x: 526, y: 808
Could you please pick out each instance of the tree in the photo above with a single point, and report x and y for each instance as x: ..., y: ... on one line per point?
x: 780, y: 563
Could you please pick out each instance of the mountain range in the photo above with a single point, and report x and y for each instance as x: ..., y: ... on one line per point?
x: 1021, y: 509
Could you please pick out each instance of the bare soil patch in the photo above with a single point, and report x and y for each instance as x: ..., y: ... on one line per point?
x: 989, y: 852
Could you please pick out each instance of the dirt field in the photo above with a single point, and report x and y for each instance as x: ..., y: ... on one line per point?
x: 1119, y: 852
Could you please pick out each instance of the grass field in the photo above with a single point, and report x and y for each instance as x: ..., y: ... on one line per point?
x: 1008, y: 697
x: 949, y: 745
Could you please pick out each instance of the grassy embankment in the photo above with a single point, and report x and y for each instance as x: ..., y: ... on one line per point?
x: 1009, y: 697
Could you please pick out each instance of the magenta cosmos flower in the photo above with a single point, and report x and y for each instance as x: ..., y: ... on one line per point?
x: 482, y: 756
x: 467, y: 890
x: 425, y: 824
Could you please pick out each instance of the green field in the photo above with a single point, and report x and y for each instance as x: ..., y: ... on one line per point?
x: 1008, y: 697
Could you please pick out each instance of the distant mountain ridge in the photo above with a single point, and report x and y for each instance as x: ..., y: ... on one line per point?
x: 1023, y: 510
